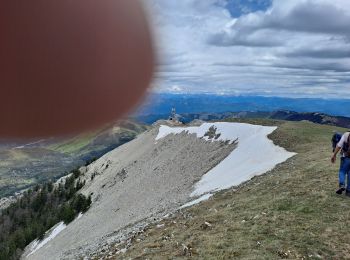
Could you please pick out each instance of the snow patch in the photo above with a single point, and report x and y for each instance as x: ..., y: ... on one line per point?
x: 196, y: 201
x: 29, y: 144
x: 37, y: 244
x: 79, y: 216
x: 254, y: 155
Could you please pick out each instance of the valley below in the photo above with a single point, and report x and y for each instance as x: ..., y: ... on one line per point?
x: 25, y: 164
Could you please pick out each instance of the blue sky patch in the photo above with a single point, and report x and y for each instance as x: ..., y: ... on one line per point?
x: 241, y: 7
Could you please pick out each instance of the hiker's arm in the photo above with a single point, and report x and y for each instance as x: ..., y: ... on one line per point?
x: 338, y: 147
x: 334, y: 157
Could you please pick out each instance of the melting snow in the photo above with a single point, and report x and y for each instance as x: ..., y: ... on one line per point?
x: 196, y: 201
x: 254, y: 155
x: 58, y: 229
x: 39, y: 244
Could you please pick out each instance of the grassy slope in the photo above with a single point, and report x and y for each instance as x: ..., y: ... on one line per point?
x: 74, y: 144
x: 80, y: 143
x: 291, y: 212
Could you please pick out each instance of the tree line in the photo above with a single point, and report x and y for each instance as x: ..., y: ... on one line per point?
x: 38, y: 210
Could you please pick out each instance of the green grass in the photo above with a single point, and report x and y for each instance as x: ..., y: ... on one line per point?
x: 74, y: 145
x: 290, y: 212
x: 78, y: 143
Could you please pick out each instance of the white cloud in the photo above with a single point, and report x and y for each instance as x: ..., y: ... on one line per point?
x: 294, y: 48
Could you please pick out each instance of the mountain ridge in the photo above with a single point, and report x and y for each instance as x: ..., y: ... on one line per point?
x: 315, y: 117
x: 154, y: 175
x: 249, y: 221
x: 162, y: 103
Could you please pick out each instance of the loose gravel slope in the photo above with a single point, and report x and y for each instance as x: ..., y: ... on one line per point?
x: 155, y: 175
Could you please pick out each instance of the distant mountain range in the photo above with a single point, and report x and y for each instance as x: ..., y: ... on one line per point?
x: 215, y: 107
x: 157, y: 104
x: 314, y: 117
x: 25, y: 164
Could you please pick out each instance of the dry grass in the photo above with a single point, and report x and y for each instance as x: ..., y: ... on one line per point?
x: 291, y: 212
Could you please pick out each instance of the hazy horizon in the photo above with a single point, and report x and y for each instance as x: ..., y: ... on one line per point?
x: 161, y: 103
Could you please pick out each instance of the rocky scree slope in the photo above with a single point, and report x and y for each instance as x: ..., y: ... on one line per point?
x: 135, y: 183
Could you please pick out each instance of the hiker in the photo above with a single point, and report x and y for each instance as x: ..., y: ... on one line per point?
x: 343, y: 146
x: 335, y: 139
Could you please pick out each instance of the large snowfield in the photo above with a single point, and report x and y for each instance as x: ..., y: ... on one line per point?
x: 254, y: 155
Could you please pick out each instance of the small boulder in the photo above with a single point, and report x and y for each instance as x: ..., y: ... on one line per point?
x: 206, y: 225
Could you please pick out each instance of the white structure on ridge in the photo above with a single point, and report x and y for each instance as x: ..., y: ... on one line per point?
x: 173, y: 116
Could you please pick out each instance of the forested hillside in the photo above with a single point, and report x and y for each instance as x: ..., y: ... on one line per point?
x: 37, y: 211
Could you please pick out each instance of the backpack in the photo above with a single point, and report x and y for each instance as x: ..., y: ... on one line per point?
x: 346, y: 147
x: 335, y: 139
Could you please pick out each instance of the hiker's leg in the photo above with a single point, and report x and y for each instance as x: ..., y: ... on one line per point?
x: 347, y: 193
x: 347, y: 166
x: 342, y: 172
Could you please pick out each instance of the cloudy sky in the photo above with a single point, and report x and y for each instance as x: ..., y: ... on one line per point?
x: 292, y: 48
